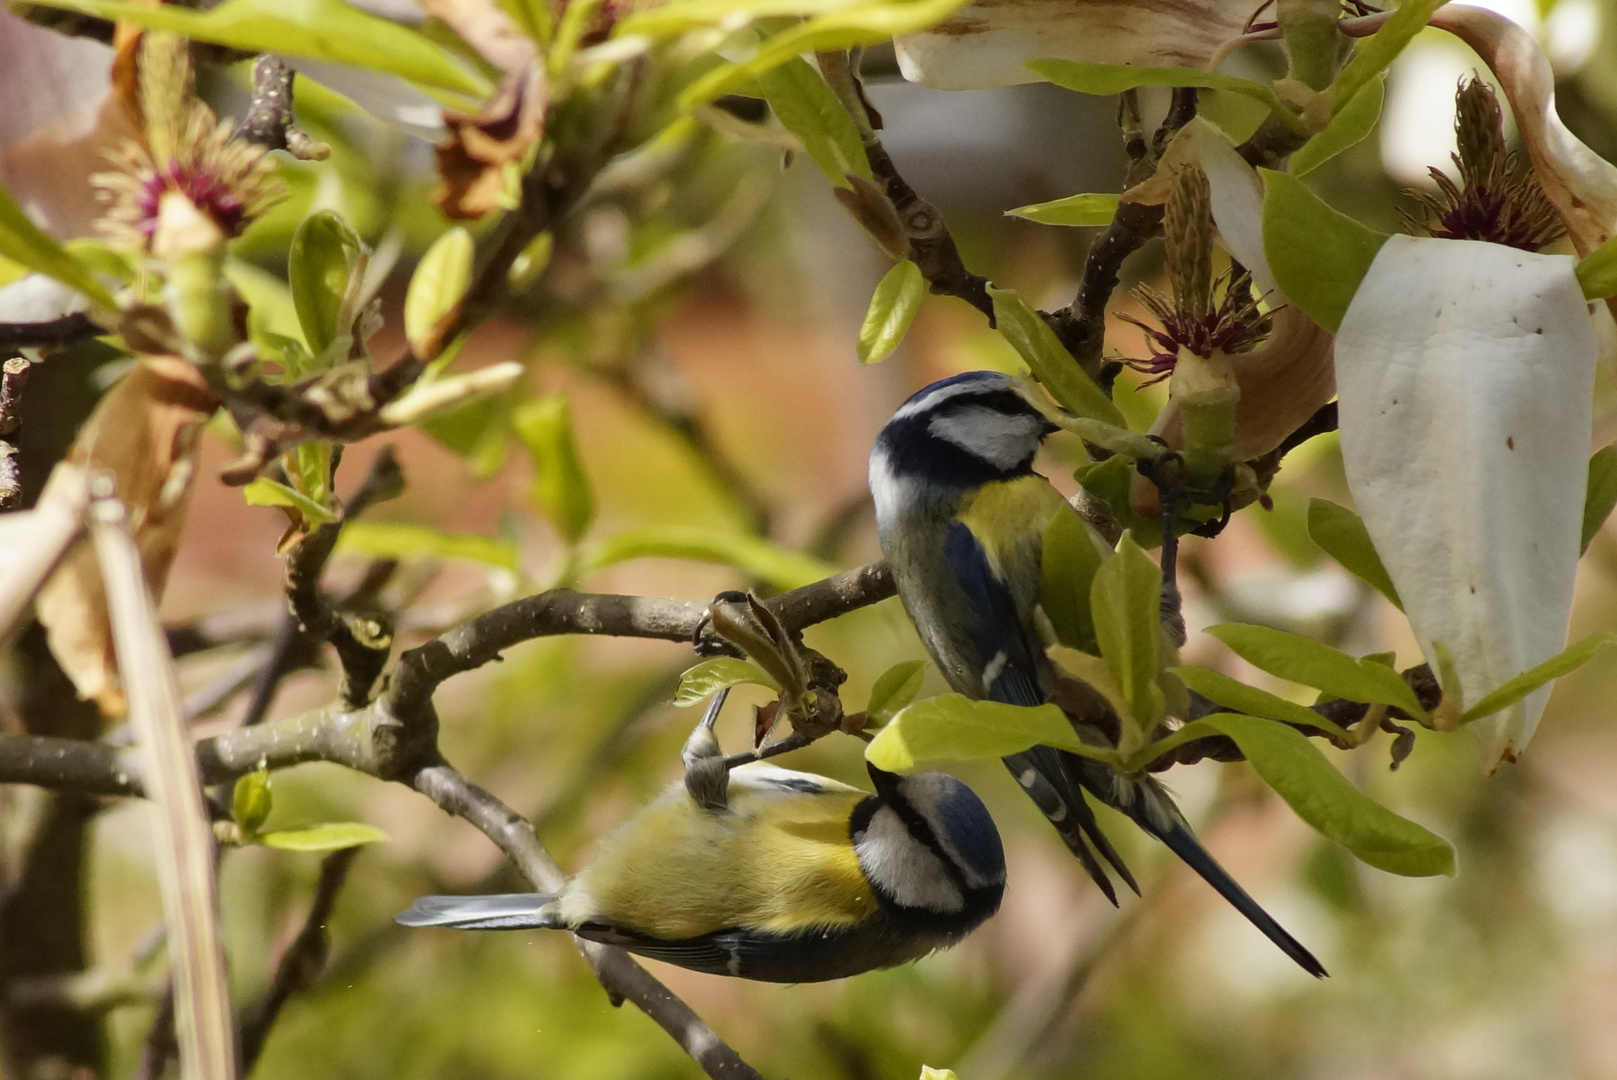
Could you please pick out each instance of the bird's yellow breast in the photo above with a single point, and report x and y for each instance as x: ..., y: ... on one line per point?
x: 777, y: 860
x: 1006, y: 516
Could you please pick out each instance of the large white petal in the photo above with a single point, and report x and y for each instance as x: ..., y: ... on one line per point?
x: 986, y: 43
x: 1464, y: 372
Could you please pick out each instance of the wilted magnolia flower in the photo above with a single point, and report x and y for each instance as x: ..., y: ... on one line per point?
x: 986, y: 43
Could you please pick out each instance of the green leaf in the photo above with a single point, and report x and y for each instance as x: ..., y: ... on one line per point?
x: 1111, y: 481
x: 1072, y: 554
x: 560, y: 487
x: 1341, y: 534
x: 807, y: 108
x: 892, y: 309
x: 1601, y: 493
x: 1125, y: 604
x: 1301, y: 660
x: 755, y: 557
x: 318, y: 29
x: 23, y: 242
x: 894, y: 689
x: 1082, y: 210
x: 325, y: 254
x: 1054, y: 366
x: 439, y: 281
x: 842, y: 28
x: 1560, y: 664
x: 250, y: 803
x: 701, y: 682
x: 1597, y: 271
x: 332, y: 836
x: 1317, y: 255
x: 1377, y: 52
x: 407, y: 543
x: 683, y: 16
x: 1237, y: 695
x: 1347, y: 128
x: 1323, y: 797
x: 955, y: 728
x: 266, y: 492
x: 1107, y: 79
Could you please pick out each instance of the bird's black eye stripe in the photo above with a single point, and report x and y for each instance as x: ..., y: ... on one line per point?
x: 921, y: 830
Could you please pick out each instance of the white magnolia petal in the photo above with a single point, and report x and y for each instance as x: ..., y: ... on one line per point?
x: 987, y: 42
x: 37, y: 298
x: 1464, y: 372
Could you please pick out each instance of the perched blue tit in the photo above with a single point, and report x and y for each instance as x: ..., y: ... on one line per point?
x: 786, y: 877
x: 962, y: 517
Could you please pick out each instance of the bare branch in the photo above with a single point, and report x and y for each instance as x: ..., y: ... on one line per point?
x: 52, y: 333
x: 269, y: 118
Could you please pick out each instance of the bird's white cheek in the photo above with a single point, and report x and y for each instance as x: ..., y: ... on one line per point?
x: 906, y: 870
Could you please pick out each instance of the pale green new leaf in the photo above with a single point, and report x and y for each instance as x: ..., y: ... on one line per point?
x: 1341, y: 534
x: 892, y: 309
x: 332, y: 836
x: 318, y: 29
x: 894, y: 689
x: 1560, y: 664
x: 1237, y: 695
x: 701, y: 682
x: 560, y: 486
x: 1597, y: 271
x: 250, y: 802
x: 1124, y: 603
x: 807, y: 108
x: 1072, y: 554
x: 406, y: 543
x: 755, y: 557
x: 1601, y: 494
x: 1054, y: 366
x: 955, y: 728
x: 23, y: 242
x: 266, y: 492
x: 1302, y: 660
x: 325, y: 253
x: 1080, y: 210
x: 1347, y: 128
x: 1317, y: 255
x: 439, y: 281
x: 683, y: 16
x: 1323, y: 797
x: 1377, y: 52
x: 1107, y: 79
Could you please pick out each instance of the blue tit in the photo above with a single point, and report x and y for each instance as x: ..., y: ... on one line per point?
x: 962, y: 518
x: 789, y: 877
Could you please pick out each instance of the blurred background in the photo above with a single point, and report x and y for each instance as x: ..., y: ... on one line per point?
x: 703, y: 327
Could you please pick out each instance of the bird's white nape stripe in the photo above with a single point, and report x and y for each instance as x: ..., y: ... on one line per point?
x: 929, y: 401
x: 903, y: 867
x: 886, y: 489
x: 1004, y: 440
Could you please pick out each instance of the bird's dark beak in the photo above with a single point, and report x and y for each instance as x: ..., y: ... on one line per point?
x: 886, y: 782
x: 1049, y: 429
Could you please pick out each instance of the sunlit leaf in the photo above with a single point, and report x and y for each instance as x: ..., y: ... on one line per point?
x: 1560, y: 664
x: 1318, y: 256
x: 393, y: 540
x: 1124, y: 603
x: 1602, y: 493
x: 439, y: 281
x: 1302, y: 660
x: 1290, y: 764
x: 1341, y: 534
x: 266, y: 492
x: 807, y: 108
x: 23, y: 242
x: 1090, y: 210
x: 1072, y: 554
x: 1051, y: 362
x: 1375, y: 54
x: 1597, y: 272
x: 893, y: 690
x: 1108, y: 79
x: 1347, y: 128
x: 325, y: 253
x: 251, y: 802
x: 701, y: 682
x: 332, y: 836
x: 892, y: 309
x: 560, y: 487
x: 318, y: 29
x: 1237, y: 695
x: 956, y: 728
x: 755, y: 557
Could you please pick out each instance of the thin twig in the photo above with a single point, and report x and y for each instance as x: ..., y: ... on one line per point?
x: 50, y: 334
x: 269, y: 118
x: 12, y: 381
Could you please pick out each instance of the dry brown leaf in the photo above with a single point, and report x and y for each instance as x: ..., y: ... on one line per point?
x: 144, y: 432
x: 472, y: 160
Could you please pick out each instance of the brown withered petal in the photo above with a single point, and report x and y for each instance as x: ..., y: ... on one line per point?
x: 472, y: 160
x: 144, y: 432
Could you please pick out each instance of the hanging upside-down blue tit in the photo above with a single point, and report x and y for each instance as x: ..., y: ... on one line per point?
x: 782, y: 877
x: 962, y: 518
